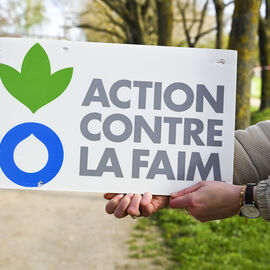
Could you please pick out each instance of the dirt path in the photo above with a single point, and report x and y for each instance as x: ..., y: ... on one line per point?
x: 55, y: 231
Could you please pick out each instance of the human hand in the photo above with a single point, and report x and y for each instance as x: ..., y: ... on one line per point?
x: 134, y: 205
x: 207, y: 200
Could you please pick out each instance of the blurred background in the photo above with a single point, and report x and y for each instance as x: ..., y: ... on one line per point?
x: 50, y: 230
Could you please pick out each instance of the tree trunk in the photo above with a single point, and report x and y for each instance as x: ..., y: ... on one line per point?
x: 165, y: 22
x: 135, y: 23
x: 139, y: 20
x: 243, y: 39
x: 264, y: 41
x: 219, y: 7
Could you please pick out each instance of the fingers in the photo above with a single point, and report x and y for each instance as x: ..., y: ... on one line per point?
x: 134, y: 206
x: 121, y: 205
x: 113, y: 203
x: 147, y: 207
x: 187, y: 190
x: 147, y: 198
x: 109, y: 196
x: 160, y: 202
x: 121, y: 209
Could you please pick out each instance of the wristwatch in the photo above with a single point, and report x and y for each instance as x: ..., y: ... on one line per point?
x: 249, y: 208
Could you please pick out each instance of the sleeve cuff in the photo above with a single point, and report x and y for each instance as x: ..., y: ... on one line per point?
x: 263, y: 198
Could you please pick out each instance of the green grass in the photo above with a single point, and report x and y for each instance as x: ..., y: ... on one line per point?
x: 258, y: 116
x: 226, y: 245
x: 146, y: 243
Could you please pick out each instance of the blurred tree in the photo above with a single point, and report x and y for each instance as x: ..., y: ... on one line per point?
x: 21, y: 15
x: 33, y: 13
x: 126, y: 21
x: 193, y: 19
x: 264, y: 42
x: 220, y: 8
x: 243, y: 39
x: 165, y: 22
x: 130, y: 21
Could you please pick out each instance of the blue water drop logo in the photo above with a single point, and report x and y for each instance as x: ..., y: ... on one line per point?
x: 55, y: 154
x: 31, y: 155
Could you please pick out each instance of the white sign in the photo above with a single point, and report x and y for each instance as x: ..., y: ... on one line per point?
x: 114, y: 118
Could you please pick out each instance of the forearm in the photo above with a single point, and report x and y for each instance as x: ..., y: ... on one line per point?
x: 252, y: 154
x: 263, y: 198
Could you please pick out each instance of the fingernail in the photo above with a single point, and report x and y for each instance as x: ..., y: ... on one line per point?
x: 174, y: 194
x: 118, y: 197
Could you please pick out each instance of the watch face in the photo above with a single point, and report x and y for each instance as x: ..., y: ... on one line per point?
x: 250, y: 211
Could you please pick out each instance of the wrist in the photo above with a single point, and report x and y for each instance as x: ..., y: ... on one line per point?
x: 242, y: 195
x: 255, y: 195
x: 239, y: 197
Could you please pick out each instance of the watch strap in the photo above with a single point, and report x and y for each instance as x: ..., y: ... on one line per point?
x: 249, y: 193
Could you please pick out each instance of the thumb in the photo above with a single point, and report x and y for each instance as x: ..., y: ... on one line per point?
x: 187, y: 190
x: 183, y: 201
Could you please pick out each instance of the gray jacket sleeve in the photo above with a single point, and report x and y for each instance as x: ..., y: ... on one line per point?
x: 252, y: 162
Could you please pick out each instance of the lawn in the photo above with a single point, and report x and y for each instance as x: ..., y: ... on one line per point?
x: 226, y: 244
x: 257, y: 116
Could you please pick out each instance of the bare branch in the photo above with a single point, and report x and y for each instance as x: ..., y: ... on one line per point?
x: 114, y: 21
x: 194, y: 10
x: 194, y: 13
x: 188, y: 24
x: 187, y: 20
x: 118, y: 8
x: 204, y: 33
x: 101, y: 30
x: 202, y: 19
x: 228, y: 4
x: 182, y: 11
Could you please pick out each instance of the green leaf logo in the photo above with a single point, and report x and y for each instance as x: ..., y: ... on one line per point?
x: 35, y: 86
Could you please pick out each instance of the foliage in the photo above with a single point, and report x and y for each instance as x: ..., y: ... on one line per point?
x: 256, y: 115
x: 259, y: 116
x: 225, y: 244
x: 18, y: 15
